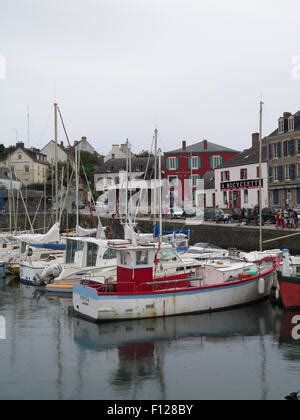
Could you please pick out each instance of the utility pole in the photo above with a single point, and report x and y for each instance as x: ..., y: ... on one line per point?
x: 56, y: 161
x: 260, y: 177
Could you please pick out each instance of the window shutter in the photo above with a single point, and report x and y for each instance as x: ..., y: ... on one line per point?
x: 168, y: 163
x: 190, y: 162
x: 211, y: 162
x: 177, y: 163
x: 221, y: 160
x: 199, y: 162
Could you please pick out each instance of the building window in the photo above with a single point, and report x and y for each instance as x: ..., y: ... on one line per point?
x: 225, y: 198
x: 270, y: 151
x: 258, y: 172
x: 291, y: 172
x: 225, y: 176
x: 281, y: 126
x: 292, y: 148
x: 277, y: 151
x: 289, y: 148
x: 298, y: 196
x: 278, y: 173
x: 270, y: 174
x: 195, y: 162
x: 26, y: 169
x: 291, y: 124
x: 246, y: 197
x: 172, y: 164
x: 244, y: 174
x: 276, y: 198
x: 285, y: 148
x: 20, y: 157
x: 216, y: 161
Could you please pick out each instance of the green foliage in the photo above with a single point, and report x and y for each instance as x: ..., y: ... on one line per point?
x: 145, y: 154
x: 90, y: 161
x: 5, y: 151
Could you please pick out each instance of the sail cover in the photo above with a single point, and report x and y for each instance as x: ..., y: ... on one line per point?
x: 51, y: 236
x: 85, y: 232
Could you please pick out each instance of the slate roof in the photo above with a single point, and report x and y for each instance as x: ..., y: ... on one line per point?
x: 200, y: 147
x: 114, y: 166
x: 247, y: 157
x: 297, y: 126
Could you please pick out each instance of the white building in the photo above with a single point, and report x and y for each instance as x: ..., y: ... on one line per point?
x: 112, y: 171
x: 7, y: 181
x: 49, y: 151
x: 118, y: 152
x: 237, y: 182
x: 84, y: 146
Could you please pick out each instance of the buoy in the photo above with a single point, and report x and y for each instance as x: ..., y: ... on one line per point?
x: 261, y: 286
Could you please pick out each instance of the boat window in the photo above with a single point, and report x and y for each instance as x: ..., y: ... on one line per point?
x: 168, y: 255
x: 92, y: 252
x: 71, y: 249
x: 298, y: 271
x: 142, y: 258
x: 110, y: 254
x: 123, y: 258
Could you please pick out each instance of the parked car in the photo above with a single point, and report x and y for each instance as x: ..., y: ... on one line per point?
x: 210, y: 214
x: 175, y: 213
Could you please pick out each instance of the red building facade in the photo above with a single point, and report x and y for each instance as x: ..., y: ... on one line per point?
x: 193, y: 162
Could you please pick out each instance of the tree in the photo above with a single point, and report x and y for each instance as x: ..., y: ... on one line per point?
x: 145, y: 154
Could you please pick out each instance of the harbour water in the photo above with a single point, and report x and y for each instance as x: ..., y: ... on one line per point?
x: 247, y: 353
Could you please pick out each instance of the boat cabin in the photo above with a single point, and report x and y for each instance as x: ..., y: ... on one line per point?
x: 137, y: 266
x: 88, y: 252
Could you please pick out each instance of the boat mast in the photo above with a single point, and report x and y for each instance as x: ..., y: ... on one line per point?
x: 155, y: 176
x: 260, y: 178
x: 56, y: 160
x: 77, y: 165
x: 160, y: 197
x: 28, y: 127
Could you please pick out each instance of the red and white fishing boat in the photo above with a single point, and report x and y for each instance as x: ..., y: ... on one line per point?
x: 289, y: 281
x: 142, y: 290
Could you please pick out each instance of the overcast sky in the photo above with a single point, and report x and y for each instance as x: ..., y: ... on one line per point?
x: 120, y: 68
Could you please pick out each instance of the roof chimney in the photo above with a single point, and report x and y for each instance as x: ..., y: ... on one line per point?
x: 287, y: 115
x: 205, y: 144
x: 255, y: 140
x: 184, y: 145
x: 20, y: 145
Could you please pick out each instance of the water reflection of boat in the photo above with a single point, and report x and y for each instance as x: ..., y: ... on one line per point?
x: 31, y: 292
x: 249, y: 321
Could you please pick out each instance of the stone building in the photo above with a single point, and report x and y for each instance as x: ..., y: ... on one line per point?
x: 284, y: 162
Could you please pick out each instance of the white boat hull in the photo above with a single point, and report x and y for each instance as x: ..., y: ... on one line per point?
x: 29, y: 274
x: 89, y: 304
